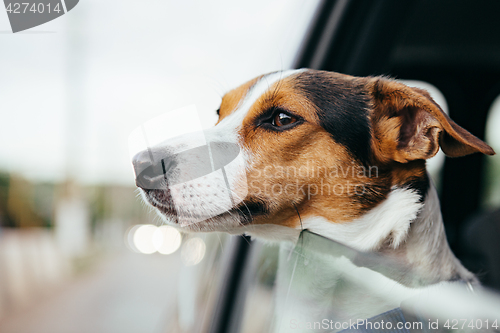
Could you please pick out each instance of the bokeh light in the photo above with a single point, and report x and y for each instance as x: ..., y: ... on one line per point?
x: 193, y: 251
x: 143, y: 239
x: 148, y: 239
x: 171, y: 239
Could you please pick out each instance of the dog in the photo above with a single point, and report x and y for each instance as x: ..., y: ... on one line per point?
x: 341, y: 156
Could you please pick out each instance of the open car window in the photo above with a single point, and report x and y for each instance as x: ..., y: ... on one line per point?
x: 323, y: 286
x: 328, y: 287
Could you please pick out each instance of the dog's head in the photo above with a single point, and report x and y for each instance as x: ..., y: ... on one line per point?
x: 308, y: 143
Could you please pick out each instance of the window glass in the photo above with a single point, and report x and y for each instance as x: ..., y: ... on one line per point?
x: 200, y: 278
x: 259, y: 303
x: 324, y: 286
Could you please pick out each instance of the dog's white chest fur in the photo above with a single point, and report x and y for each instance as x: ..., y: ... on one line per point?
x: 388, y: 222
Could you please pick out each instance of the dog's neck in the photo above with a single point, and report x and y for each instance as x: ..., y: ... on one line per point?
x: 401, y: 227
x: 426, y: 248
x: 406, y: 229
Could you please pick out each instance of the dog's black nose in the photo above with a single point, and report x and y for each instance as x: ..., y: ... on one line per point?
x: 151, y: 173
x: 155, y: 170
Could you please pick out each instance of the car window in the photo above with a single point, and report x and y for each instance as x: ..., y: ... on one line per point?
x: 328, y: 287
x: 259, y: 304
x: 200, y: 279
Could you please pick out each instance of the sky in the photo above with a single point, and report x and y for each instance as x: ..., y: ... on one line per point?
x: 72, y: 90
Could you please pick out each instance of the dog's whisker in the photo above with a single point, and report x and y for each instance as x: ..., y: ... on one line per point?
x: 243, y: 202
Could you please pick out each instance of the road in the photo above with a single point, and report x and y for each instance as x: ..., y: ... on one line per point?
x: 124, y: 293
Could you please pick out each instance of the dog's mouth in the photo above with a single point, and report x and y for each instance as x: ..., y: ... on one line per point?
x: 249, y: 211
x: 162, y: 200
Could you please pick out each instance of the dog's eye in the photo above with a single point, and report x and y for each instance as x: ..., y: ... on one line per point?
x: 282, y: 119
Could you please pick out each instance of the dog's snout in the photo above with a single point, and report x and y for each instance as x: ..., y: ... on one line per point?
x: 141, y: 161
x: 151, y: 173
x: 155, y: 168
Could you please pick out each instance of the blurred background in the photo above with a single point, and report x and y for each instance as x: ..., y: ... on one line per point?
x: 71, y: 92
x: 78, y: 250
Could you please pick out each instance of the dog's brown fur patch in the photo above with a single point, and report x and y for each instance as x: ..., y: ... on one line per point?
x: 233, y: 98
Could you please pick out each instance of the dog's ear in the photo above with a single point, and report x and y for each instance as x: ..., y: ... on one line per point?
x: 408, y: 125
